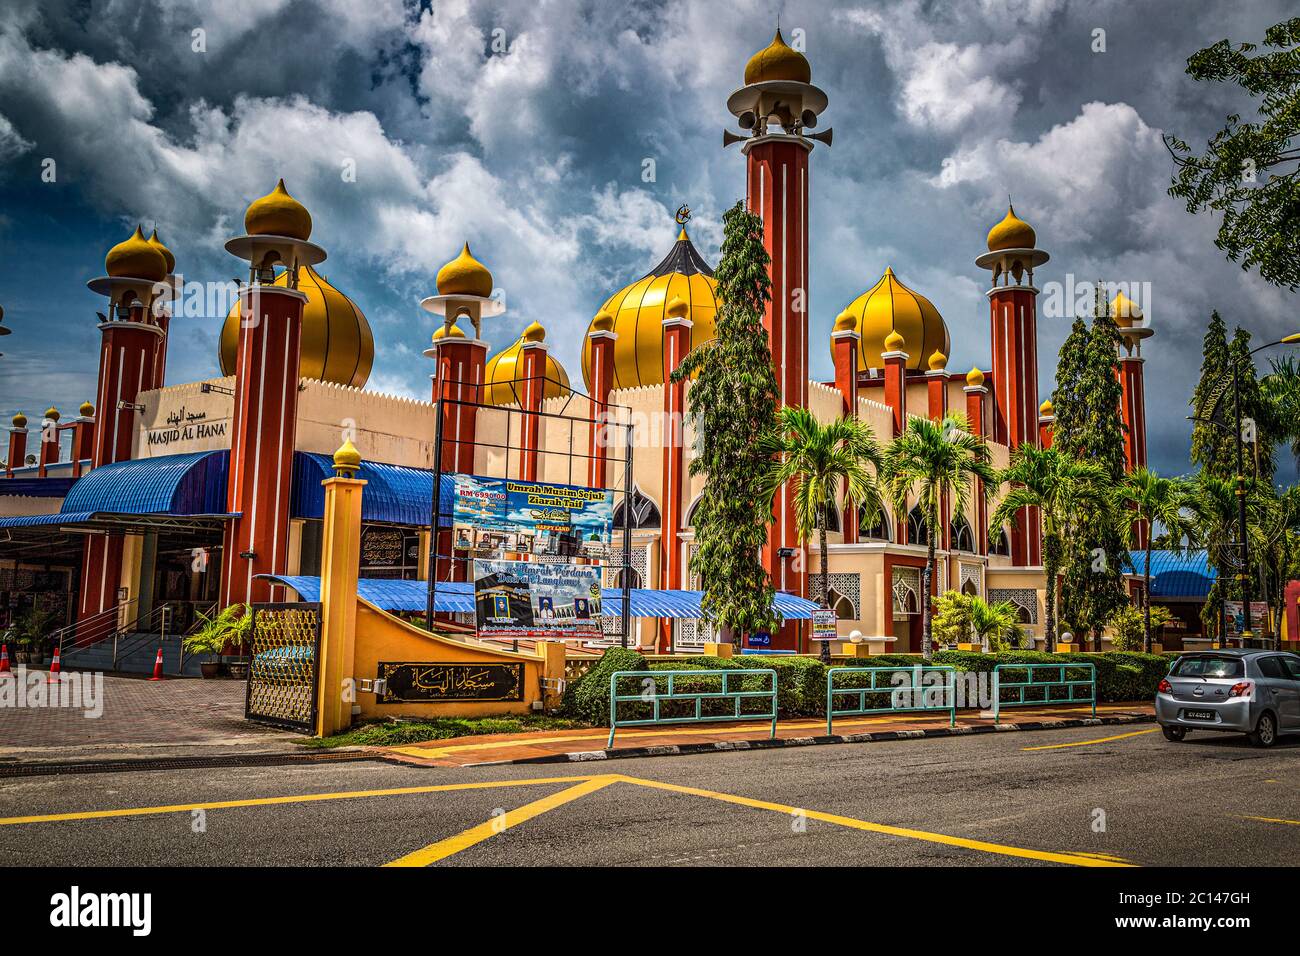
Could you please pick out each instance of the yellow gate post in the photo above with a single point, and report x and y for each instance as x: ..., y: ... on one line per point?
x: 340, y: 566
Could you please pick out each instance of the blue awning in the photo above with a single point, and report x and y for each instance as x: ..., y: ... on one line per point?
x: 192, y: 484
x: 453, y: 597
x: 393, y: 494
x: 33, y: 487
x: 1176, y: 574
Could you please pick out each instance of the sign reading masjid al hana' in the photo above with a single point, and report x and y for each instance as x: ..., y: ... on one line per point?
x: 516, y: 599
x: 182, y: 426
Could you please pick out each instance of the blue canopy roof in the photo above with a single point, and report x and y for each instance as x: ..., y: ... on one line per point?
x: 190, y: 484
x: 453, y: 597
x: 1176, y: 574
x: 394, y: 493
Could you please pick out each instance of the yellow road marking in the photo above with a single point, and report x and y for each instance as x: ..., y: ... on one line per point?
x: 273, y: 801
x: 1099, y: 740
x: 1293, y: 823
x: 982, y: 846
x: 474, y: 835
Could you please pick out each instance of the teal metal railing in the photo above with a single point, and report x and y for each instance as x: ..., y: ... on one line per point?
x: 656, y: 688
x: 1057, y: 678
x: 919, y: 693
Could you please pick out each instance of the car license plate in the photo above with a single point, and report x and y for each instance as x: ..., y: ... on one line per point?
x: 1198, y: 715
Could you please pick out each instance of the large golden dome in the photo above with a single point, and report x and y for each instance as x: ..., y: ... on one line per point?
x: 888, y: 307
x: 640, y: 309
x: 503, y: 369
x: 1011, y: 233
x: 136, y: 258
x: 337, y: 344
x: 166, y: 253
x: 1125, y: 311
x: 778, y: 61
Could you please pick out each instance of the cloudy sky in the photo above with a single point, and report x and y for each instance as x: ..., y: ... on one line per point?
x: 525, y: 128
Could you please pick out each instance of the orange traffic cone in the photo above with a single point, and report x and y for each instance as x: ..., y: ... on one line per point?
x: 54, y: 668
x: 4, y: 659
x: 157, y: 666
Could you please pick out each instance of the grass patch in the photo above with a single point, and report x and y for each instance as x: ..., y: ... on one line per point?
x: 394, y: 733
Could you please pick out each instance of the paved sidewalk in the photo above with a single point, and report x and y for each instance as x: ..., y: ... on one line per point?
x: 582, y: 745
x: 137, y: 718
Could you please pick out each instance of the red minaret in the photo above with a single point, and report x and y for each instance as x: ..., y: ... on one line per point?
x: 776, y: 105
x: 1133, y: 328
x: 49, y: 442
x: 975, y: 393
x: 533, y: 353
x: 130, y: 338
x: 845, y: 342
x: 266, y: 394
x: 601, y: 338
x: 1012, y: 258
x: 676, y: 343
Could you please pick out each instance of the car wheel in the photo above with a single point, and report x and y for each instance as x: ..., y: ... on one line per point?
x: 1174, y: 733
x: 1265, y: 734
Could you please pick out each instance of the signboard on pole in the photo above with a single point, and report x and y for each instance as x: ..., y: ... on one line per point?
x: 1235, y: 617
x: 492, y: 515
x: 825, y: 625
x: 522, y: 599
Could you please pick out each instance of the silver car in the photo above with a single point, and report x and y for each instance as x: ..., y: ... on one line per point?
x: 1253, y: 692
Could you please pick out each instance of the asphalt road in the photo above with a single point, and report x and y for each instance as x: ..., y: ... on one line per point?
x: 979, y: 800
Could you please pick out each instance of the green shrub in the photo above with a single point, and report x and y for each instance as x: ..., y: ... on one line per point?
x: 587, y: 698
x: 800, y: 682
x: 1121, y: 675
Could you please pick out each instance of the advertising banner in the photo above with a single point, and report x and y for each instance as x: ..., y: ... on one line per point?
x: 1235, y: 614
x: 530, y: 517
x: 522, y: 599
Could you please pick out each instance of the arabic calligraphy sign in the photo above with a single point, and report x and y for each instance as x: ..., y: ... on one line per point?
x: 414, y: 682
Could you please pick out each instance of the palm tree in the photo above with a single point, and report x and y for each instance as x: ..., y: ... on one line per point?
x: 1213, y: 503
x: 821, y: 461
x: 935, y: 462
x: 1155, y: 500
x: 1059, y: 486
x: 998, y: 622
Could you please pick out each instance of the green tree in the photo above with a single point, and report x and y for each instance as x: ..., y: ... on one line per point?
x: 731, y: 405
x: 1069, y: 401
x: 1061, y: 487
x: 1153, y: 501
x: 1212, y: 445
x: 1214, y: 507
x: 821, y: 462
x: 997, y: 625
x: 1280, y: 389
x: 1247, y: 173
x: 1259, y: 462
x: 935, y: 462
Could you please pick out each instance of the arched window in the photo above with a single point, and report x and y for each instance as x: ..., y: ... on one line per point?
x: 963, y: 538
x: 918, y: 532
x: 841, y: 605
x: 832, y: 518
x: 631, y: 575
x: 691, y: 511
x: 999, y: 542
x: 970, y: 589
x: 645, y: 513
x: 873, y: 526
x: 1023, y: 615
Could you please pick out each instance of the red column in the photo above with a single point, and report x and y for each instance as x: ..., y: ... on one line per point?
x: 532, y: 389
x: 83, y: 440
x: 458, y: 382
x: 936, y: 384
x: 127, y: 364
x: 17, y: 445
x: 844, y: 343
x: 160, y: 352
x: 1015, y: 395
x: 975, y: 393
x: 777, y: 191
x: 262, y: 441
x: 603, y: 337
x: 49, y: 454
x: 895, y: 360
x: 676, y: 343
x: 1134, y: 411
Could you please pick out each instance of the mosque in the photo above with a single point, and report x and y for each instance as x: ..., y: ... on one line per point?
x: 205, y: 493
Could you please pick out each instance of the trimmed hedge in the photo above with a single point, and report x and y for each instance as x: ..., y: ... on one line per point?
x: 801, y: 681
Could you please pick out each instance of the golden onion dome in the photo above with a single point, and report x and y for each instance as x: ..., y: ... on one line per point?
x: 894, y: 342
x: 337, y: 344
x: 639, y: 311
x: 888, y: 307
x: 278, y: 214
x: 603, y: 322
x: 975, y: 378
x: 465, y: 275
x: 1125, y: 311
x: 1046, y: 410
x: 86, y: 409
x: 52, y: 414
x: 347, y: 460
x: 166, y: 253
x: 135, y: 258
x: 938, y: 361
x: 442, y: 332
x: 846, y: 321
x: 20, y: 420
x: 778, y: 61
x: 504, y: 372
x: 1011, y: 233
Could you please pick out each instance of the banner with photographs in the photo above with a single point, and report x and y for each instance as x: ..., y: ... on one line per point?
x: 522, y: 599
x: 495, y: 515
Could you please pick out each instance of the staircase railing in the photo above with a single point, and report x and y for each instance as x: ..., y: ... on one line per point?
x: 93, y: 629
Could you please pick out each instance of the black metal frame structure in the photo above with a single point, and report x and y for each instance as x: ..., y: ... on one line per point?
x: 442, y: 521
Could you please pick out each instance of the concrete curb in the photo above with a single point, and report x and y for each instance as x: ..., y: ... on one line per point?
x: 675, y: 750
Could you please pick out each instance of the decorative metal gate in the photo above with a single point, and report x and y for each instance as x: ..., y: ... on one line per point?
x: 284, y: 670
